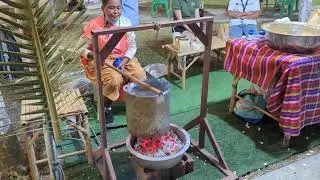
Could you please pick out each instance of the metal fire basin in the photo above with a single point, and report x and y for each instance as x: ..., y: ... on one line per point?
x: 158, y: 163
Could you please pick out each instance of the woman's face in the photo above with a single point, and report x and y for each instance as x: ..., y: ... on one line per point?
x: 112, y: 10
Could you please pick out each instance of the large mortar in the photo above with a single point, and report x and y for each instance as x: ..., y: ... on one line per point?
x: 147, y: 113
x: 158, y: 163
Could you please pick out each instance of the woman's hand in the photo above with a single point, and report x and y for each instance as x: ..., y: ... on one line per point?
x: 90, y: 56
x: 125, y: 60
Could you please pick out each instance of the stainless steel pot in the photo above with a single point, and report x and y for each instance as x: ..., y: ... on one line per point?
x: 147, y: 113
x: 293, y: 37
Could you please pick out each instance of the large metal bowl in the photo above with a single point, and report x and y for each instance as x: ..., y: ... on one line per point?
x: 293, y: 37
x: 158, y: 163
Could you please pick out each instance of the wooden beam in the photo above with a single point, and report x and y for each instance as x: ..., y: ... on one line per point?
x: 151, y: 26
x: 202, y: 37
x: 111, y: 44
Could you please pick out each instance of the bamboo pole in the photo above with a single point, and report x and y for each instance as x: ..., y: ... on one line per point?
x: 63, y: 156
x: 32, y: 157
x: 77, y: 127
x: 44, y: 74
x: 49, y: 149
x: 88, y: 140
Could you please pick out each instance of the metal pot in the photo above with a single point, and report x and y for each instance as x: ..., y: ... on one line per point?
x: 161, y: 162
x: 147, y: 113
x: 293, y: 37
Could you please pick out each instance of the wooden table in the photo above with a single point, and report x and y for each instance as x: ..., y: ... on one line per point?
x: 68, y: 103
x: 290, y: 80
x: 174, y: 54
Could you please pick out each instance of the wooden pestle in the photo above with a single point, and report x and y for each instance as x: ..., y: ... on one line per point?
x: 135, y: 80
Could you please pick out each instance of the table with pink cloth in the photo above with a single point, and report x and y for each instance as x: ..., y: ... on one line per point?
x: 291, y: 80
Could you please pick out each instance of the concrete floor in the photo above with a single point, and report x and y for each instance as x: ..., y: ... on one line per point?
x: 307, y: 169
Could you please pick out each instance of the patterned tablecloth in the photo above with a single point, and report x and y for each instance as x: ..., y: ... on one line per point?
x: 291, y: 80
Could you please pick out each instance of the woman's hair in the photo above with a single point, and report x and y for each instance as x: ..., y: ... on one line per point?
x: 104, y: 2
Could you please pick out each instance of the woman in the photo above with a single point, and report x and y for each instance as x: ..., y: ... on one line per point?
x: 125, y: 49
x: 130, y: 10
x: 185, y: 9
x: 243, y: 14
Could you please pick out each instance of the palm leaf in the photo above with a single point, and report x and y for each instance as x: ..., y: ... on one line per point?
x: 35, y: 4
x: 20, y: 84
x: 18, y: 44
x: 18, y: 35
x: 42, y: 17
x: 44, y: 50
x: 17, y: 25
x: 23, y: 64
x: 26, y: 91
x: 42, y: 46
x: 20, y: 54
x: 12, y: 14
x: 59, y: 35
x: 13, y: 4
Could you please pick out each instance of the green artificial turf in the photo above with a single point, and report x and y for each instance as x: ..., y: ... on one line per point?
x: 244, y: 149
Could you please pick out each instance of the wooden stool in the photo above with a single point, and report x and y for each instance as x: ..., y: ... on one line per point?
x: 185, y: 166
x: 68, y: 103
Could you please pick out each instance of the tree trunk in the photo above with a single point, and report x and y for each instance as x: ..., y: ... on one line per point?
x: 304, y: 10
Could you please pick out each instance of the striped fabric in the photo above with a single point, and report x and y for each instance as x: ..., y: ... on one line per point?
x: 291, y: 80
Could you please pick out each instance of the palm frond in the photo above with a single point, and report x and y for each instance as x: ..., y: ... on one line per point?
x: 14, y: 4
x: 18, y: 35
x: 43, y: 16
x: 40, y: 10
x: 51, y: 21
x: 42, y: 50
x: 53, y: 28
x: 26, y: 91
x: 35, y: 4
x: 19, y: 54
x: 15, y: 24
x: 25, y: 73
x: 60, y: 34
x: 18, y: 44
x: 12, y: 14
x: 41, y: 111
x: 23, y: 64
x: 20, y: 84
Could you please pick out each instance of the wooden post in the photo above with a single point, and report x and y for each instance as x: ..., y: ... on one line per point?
x: 49, y: 149
x: 234, y: 93
x: 184, y: 72
x: 88, y: 140
x: 32, y: 158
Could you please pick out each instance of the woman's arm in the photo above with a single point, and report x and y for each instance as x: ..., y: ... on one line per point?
x: 236, y: 14
x: 252, y: 15
x: 178, y: 15
x: 132, y: 45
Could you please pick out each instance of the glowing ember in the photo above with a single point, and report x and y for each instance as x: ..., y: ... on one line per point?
x: 159, y: 145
